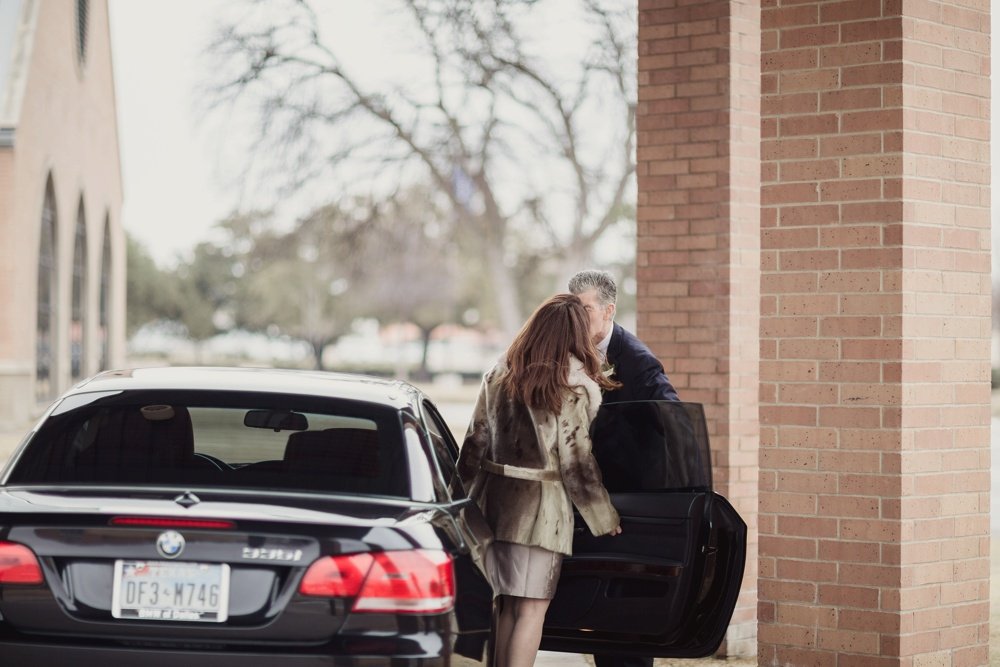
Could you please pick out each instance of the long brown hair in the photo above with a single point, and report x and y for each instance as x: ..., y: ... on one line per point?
x: 538, y: 359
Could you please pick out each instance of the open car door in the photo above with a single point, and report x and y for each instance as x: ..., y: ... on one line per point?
x: 667, y: 585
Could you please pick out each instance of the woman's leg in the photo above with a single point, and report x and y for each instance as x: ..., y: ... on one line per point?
x: 505, y: 627
x: 526, y: 634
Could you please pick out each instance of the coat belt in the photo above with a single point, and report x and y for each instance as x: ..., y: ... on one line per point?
x: 517, y: 472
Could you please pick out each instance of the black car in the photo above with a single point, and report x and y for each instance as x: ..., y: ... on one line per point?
x: 256, y: 517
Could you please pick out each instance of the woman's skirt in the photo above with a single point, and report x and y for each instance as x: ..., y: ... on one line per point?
x: 523, y: 571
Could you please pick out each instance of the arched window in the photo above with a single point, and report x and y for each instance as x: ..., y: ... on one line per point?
x: 45, y: 331
x: 103, y: 330
x: 78, y: 305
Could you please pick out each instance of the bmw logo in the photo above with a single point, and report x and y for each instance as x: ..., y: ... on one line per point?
x: 170, y: 544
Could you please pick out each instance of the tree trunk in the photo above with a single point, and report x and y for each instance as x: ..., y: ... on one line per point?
x: 505, y: 290
x: 317, y: 349
x: 577, y: 257
x: 423, y: 374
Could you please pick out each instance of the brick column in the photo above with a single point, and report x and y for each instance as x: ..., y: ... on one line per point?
x: 874, y: 486
x: 698, y: 234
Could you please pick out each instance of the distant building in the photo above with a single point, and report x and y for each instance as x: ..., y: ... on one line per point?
x: 62, y: 247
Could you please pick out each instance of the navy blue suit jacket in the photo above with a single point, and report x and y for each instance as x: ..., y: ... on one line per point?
x: 638, y: 369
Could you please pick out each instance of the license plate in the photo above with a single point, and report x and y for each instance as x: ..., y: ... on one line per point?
x: 152, y: 590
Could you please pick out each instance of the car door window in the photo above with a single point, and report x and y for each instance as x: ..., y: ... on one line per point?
x: 422, y: 478
x: 652, y: 446
x: 444, y: 448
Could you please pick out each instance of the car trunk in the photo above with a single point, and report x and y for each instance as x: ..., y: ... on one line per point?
x: 238, y: 571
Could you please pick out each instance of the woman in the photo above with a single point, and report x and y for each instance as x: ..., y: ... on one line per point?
x: 527, y: 460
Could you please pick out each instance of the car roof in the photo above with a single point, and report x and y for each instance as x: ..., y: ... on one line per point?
x: 393, y: 393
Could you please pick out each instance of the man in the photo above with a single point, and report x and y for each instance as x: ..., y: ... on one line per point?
x: 639, y: 371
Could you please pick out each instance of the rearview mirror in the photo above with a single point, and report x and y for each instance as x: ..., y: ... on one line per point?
x: 277, y: 420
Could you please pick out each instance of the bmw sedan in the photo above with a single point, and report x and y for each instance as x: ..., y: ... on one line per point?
x: 256, y: 517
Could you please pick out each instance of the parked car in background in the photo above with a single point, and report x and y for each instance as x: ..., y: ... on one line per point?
x: 204, y: 516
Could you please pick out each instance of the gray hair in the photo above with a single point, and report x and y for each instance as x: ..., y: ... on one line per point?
x: 601, y: 281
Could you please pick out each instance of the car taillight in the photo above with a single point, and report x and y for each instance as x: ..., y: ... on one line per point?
x: 336, y: 576
x: 18, y: 565
x: 421, y: 581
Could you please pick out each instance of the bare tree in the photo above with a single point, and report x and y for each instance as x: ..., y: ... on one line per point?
x: 534, y: 154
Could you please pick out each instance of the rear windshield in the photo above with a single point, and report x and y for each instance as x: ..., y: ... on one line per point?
x: 227, y: 439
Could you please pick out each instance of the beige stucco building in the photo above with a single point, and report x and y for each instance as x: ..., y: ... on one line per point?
x: 62, y: 246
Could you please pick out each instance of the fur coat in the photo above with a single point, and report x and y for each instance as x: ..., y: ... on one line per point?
x: 526, y: 468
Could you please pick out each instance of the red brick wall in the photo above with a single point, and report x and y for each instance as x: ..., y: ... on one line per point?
x: 875, y: 305
x: 698, y: 250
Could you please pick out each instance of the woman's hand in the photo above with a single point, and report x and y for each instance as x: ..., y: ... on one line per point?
x: 617, y: 530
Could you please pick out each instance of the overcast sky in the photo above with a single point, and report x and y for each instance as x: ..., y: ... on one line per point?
x: 171, y: 193
x: 180, y: 173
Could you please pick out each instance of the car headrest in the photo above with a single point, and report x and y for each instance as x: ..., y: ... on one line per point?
x: 340, y: 451
x: 151, y: 437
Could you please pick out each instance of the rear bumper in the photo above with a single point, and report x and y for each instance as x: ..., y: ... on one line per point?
x: 68, y: 655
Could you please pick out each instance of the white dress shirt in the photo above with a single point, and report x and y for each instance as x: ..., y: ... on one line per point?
x: 602, y: 347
